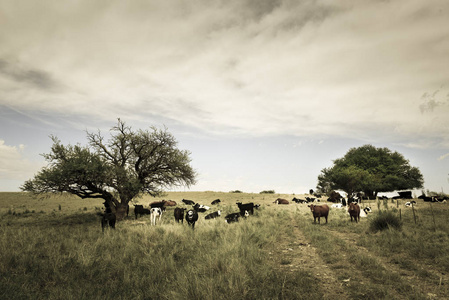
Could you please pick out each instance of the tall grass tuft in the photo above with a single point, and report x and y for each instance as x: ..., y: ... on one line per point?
x: 385, y: 220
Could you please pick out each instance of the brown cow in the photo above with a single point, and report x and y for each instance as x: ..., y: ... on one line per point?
x: 281, y: 201
x: 354, y: 211
x: 170, y: 203
x: 319, y: 211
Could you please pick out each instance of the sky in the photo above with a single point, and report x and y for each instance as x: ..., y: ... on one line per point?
x: 264, y: 94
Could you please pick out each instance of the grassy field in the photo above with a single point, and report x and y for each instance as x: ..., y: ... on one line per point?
x: 54, y: 248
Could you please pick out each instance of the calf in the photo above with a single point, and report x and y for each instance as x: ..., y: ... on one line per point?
x: 247, y: 206
x: 179, y: 214
x: 213, y: 215
x: 108, y: 219
x: 354, y: 211
x: 156, y: 212
x: 231, y: 218
x: 280, y: 201
x: 188, y: 202
x: 192, y: 217
x: 319, y: 211
x: 139, y: 210
x: 216, y: 201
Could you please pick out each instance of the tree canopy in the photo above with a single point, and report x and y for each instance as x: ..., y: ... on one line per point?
x: 370, y: 170
x: 117, y: 170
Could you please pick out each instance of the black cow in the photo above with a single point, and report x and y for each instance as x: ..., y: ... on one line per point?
x: 299, y: 200
x: 216, y: 201
x: 231, y: 218
x: 191, y: 218
x: 160, y: 204
x: 188, y: 202
x: 247, y: 206
x: 108, y: 219
x: 139, y: 210
x: 213, y: 215
x: 179, y: 214
x: 310, y: 199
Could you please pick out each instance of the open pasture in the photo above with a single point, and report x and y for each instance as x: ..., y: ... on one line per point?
x: 54, y: 248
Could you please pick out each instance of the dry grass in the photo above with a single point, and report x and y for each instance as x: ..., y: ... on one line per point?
x: 53, y: 248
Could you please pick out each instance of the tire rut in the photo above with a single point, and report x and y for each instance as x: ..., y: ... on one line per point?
x: 299, y: 254
x: 410, y: 276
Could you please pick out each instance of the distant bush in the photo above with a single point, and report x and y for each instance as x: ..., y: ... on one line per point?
x: 385, y: 220
x: 267, y: 192
x: 236, y: 191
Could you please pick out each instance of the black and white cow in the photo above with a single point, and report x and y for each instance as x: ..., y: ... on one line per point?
x: 216, y: 201
x: 213, y: 215
x: 201, y: 208
x: 231, y: 218
x: 299, y: 200
x: 192, y: 217
x: 156, y: 213
x: 247, y: 206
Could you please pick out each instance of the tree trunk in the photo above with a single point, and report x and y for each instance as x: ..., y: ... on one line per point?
x: 121, y: 211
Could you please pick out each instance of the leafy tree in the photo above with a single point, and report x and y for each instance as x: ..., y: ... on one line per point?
x: 129, y: 164
x: 370, y: 170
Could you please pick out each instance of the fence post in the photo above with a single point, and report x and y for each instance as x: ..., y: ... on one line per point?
x: 414, y: 216
x: 433, y: 217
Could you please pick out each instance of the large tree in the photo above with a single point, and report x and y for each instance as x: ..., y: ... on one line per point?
x: 127, y: 165
x: 370, y: 170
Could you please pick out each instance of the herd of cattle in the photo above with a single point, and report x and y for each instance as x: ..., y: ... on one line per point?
x: 157, y: 208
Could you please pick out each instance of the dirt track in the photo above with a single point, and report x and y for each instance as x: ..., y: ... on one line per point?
x: 298, y: 252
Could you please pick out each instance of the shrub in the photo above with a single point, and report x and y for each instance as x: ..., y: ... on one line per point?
x: 385, y: 220
x: 267, y: 192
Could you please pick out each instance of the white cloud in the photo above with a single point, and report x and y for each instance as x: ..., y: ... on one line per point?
x: 234, y: 67
x: 13, y: 166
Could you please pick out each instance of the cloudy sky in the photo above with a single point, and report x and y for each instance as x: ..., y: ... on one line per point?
x: 265, y: 94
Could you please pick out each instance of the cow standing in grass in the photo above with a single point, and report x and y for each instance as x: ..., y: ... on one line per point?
x: 140, y: 210
x: 108, y: 219
x: 246, y: 207
x: 319, y: 211
x: 192, y: 217
x: 156, y: 213
x: 354, y: 211
x: 179, y: 214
